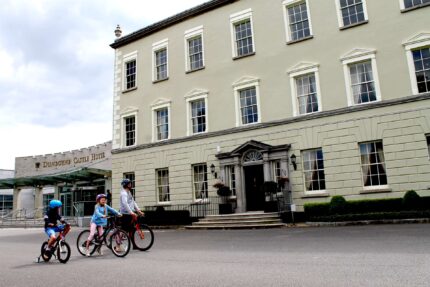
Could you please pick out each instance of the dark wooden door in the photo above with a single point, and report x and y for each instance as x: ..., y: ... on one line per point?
x: 254, y: 178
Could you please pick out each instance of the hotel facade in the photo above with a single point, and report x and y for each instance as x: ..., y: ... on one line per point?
x: 332, y: 94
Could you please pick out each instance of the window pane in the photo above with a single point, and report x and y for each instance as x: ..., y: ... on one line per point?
x: 352, y: 12
x: 163, y: 185
x: 307, y: 94
x: 313, y: 168
x: 243, y: 38
x: 373, y: 164
x: 362, y: 82
x: 422, y: 69
x: 200, y: 181
x: 130, y: 74
x: 248, y: 106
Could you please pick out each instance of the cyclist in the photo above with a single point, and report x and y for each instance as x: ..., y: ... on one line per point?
x: 128, y: 207
x: 51, y: 217
x: 98, y: 221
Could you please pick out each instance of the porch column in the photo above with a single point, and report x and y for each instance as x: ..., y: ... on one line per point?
x: 266, y: 167
x: 38, y: 201
x: 15, y: 198
x: 240, y: 190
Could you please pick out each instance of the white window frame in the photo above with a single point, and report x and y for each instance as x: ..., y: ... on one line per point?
x: 234, y: 19
x: 419, y: 41
x: 357, y: 56
x: 340, y: 18
x: 188, y: 35
x: 191, y: 98
x: 302, y: 70
x: 373, y: 187
x: 157, y: 187
x: 243, y: 86
x: 194, y: 182
x: 285, y: 5
x: 402, y: 6
x: 125, y: 59
x: 123, y: 136
x: 155, y: 108
x: 160, y: 45
x: 312, y: 192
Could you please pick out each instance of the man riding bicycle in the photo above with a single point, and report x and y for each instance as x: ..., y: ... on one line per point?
x: 128, y: 207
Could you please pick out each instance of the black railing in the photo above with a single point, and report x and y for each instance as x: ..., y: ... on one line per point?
x: 199, y: 209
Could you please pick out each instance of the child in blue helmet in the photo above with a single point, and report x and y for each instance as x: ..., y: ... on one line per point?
x: 51, y: 217
x: 98, y: 221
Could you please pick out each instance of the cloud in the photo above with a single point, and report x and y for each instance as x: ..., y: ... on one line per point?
x: 56, y: 70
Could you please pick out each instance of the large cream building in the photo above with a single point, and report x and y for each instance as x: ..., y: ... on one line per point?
x: 333, y: 94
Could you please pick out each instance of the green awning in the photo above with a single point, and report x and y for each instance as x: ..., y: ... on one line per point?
x: 81, y: 174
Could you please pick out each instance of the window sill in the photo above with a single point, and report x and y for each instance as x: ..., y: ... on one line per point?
x: 164, y: 203
x: 195, y: 70
x: 376, y: 190
x: 300, y: 40
x: 129, y: 90
x: 243, y: 56
x: 315, y: 195
x: 414, y: 8
x: 354, y: 25
x: 158, y: 81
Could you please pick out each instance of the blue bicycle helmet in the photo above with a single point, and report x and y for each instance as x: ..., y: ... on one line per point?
x: 125, y: 182
x: 55, y: 203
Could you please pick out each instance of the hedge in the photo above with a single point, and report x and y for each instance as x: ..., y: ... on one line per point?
x: 373, y: 216
x: 337, y: 206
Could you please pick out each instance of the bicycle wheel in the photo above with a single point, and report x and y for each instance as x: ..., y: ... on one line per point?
x: 107, y: 238
x: 81, y: 243
x: 63, y: 251
x: 120, y: 243
x: 143, y: 238
x: 45, y: 257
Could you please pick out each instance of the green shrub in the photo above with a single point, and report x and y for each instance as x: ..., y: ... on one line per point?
x: 411, y: 200
x: 224, y: 191
x: 372, y: 216
x: 316, y: 209
x: 338, y: 205
x: 375, y: 205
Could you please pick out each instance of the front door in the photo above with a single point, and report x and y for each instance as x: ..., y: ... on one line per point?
x: 254, y: 178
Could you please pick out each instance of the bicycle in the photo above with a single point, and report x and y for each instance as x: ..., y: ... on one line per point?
x: 141, y: 235
x: 111, y: 233
x: 61, y: 247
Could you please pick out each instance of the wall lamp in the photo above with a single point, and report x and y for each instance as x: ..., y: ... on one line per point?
x: 293, y: 161
x: 213, y: 170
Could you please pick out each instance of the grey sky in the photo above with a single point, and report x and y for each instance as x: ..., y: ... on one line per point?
x: 56, y: 70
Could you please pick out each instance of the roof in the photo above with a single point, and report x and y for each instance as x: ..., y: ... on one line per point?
x: 84, y: 173
x: 163, y: 24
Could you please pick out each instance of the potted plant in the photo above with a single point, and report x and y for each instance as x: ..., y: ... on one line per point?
x: 225, y: 206
x: 270, y: 188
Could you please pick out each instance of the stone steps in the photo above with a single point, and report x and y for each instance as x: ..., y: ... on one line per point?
x: 249, y: 220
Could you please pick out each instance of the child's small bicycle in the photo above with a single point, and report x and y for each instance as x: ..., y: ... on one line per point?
x: 60, y: 250
x: 114, y: 238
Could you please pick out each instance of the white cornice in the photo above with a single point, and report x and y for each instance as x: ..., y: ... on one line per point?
x: 129, y: 110
x: 302, y: 66
x: 160, y: 102
x: 418, y: 38
x: 245, y: 80
x: 195, y: 93
x: 358, y: 52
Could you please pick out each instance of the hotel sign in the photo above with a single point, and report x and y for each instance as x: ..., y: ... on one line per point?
x: 76, y: 160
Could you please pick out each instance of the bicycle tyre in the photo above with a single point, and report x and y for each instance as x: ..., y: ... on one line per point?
x: 124, y: 242
x: 107, y: 240
x: 145, y: 243
x: 82, y: 241
x: 42, y: 252
x: 63, y: 258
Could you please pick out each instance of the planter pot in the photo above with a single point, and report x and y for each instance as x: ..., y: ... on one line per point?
x: 225, y: 208
x: 271, y: 206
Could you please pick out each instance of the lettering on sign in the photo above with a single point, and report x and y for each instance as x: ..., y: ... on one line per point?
x: 76, y: 160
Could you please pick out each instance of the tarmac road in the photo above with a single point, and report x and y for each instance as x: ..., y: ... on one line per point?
x: 377, y: 255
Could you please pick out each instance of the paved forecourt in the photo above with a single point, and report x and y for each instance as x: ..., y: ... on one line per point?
x: 378, y: 255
